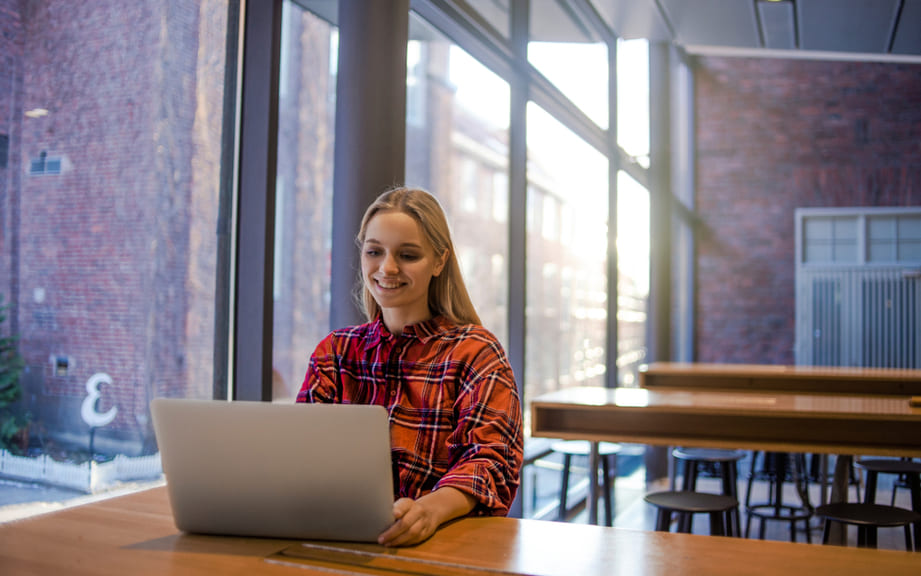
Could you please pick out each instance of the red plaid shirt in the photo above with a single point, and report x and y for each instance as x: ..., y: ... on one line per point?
x: 455, y: 414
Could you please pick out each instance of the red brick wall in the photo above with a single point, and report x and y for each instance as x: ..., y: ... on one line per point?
x: 774, y: 135
x: 116, y: 254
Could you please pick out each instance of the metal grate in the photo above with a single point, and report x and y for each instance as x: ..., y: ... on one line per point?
x: 859, y: 317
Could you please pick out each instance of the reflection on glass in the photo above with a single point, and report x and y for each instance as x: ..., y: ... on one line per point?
x: 110, y: 172
x: 567, y: 54
x: 633, y: 99
x: 494, y: 13
x: 303, y: 194
x: 632, y: 277
x: 457, y: 122
x: 566, y: 309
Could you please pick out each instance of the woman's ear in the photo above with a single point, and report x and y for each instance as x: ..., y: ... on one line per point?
x: 440, y: 263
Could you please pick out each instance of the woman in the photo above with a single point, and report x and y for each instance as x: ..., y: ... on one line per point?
x: 455, y: 415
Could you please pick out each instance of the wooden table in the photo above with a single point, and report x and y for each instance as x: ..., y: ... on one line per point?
x: 135, y: 535
x: 759, y: 377
x: 775, y: 421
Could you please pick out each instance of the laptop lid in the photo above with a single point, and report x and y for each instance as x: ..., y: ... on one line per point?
x: 301, y: 471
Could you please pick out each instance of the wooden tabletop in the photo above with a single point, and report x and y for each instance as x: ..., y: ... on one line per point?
x: 823, y: 379
x: 135, y: 534
x: 756, y: 420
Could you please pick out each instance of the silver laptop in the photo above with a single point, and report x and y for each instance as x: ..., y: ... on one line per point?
x: 301, y: 471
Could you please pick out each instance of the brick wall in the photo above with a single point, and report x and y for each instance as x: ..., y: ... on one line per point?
x: 772, y: 136
x: 116, y: 253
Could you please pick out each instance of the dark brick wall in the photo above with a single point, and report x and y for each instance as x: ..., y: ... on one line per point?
x: 774, y: 135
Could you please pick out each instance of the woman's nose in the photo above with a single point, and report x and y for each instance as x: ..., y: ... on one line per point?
x: 389, y: 265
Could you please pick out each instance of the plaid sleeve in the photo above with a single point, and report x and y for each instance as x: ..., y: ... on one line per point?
x: 488, y: 441
x: 320, y: 381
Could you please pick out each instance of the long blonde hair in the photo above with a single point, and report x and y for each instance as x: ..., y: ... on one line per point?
x: 447, y: 292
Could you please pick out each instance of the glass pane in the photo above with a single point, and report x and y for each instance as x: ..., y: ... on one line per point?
x: 844, y: 251
x: 881, y: 228
x: 303, y: 194
x: 882, y: 251
x: 818, y: 251
x: 633, y: 99
x: 909, y: 227
x: 564, y: 51
x: 632, y: 277
x: 457, y: 148
x: 818, y: 229
x: 845, y: 228
x: 495, y: 13
x: 910, y: 251
x: 566, y: 308
x: 111, y: 200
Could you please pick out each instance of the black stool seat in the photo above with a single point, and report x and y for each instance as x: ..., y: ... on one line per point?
x: 884, y: 466
x: 606, y: 452
x: 708, y: 454
x: 718, y: 506
x: 910, y: 470
x: 867, y: 518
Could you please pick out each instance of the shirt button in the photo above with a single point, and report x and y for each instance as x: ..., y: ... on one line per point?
x: 393, y: 393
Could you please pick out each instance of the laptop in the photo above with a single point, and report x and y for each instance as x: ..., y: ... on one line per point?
x: 299, y: 471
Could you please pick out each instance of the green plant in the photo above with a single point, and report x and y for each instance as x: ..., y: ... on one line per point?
x: 11, y: 365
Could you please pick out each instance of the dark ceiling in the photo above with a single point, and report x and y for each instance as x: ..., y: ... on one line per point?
x: 840, y: 29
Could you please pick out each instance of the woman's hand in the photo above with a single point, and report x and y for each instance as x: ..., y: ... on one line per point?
x: 417, y: 520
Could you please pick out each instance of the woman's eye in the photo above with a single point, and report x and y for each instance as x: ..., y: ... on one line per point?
x: 410, y: 257
x: 372, y: 252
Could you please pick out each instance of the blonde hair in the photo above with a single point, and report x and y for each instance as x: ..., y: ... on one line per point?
x: 448, y: 295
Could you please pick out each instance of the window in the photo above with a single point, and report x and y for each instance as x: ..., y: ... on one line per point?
x: 565, y: 51
x: 112, y: 278
x: 304, y: 193
x: 460, y: 154
x: 894, y: 238
x: 566, y: 306
x: 830, y: 239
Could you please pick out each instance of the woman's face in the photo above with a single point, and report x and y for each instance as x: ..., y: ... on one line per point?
x: 397, y: 265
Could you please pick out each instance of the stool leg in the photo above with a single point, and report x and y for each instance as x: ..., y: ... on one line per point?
x: 861, y: 536
x: 608, y: 491
x: 564, y: 487
x: 869, y: 495
x: 730, y: 488
x: 686, y: 521
x: 663, y: 519
x: 826, y: 531
x: 716, y: 524
x: 914, y: 485
x: 908, y: 545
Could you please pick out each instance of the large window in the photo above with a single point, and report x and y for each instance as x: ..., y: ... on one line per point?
x: 303, y: 194
x: 632, y: 277
x: 457, y: 123
x: 566, y: 307
x: 112, y: 116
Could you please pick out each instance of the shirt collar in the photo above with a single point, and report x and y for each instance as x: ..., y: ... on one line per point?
x: 423, y: 331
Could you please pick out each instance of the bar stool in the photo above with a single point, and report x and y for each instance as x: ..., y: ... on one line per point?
x: 718, y: 506
x: 607, y: 452
x: 868, y: 518
x: 725, y: 460
x: 910, y: 470
x: 775, y: 471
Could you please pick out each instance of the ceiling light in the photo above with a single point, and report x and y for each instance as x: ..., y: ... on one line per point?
x: 36, y: 113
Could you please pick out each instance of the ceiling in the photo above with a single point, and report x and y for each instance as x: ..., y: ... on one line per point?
x: 888, y: 30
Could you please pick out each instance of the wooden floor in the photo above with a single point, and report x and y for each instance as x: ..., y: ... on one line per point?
x: 541, y: 486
